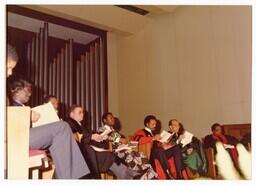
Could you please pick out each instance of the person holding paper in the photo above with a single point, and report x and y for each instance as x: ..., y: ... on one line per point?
x: 134, y: 160
x: 158, y: 150
x: 95, y: 147
x: 229, y: 142
x: 57, y: 137
x: 97, y: 161
x: 192, y: 150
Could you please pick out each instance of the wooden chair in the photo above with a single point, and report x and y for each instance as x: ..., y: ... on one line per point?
x: 211, y: 172
x: 235, y: 130
x: 145, y: 149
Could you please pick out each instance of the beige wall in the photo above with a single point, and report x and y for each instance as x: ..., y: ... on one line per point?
x: 193, y: 65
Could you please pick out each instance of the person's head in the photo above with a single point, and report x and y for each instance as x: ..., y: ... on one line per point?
x: 150, y: 122
x: 53, y: 100
x: 216, y: 129
x: 12, y: 59
x: 176, y: 126
x: 76, y: 112
x: 20, y: 90
x: 108, y: 119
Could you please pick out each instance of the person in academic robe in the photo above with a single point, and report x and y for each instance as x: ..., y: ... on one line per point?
x: 229, y: 142
x: 159, y: 150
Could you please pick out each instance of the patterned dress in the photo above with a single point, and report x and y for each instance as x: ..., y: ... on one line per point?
x: 136, y: 161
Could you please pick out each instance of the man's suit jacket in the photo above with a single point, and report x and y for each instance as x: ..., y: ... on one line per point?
x: 87, y: 134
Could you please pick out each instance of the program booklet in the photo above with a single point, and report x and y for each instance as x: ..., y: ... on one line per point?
x: 165, y: 136
x: 47, y: 114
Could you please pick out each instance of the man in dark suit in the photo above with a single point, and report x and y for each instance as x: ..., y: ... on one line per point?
x: 99, y: 161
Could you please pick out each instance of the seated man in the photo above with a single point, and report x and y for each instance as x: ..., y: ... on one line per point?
x: 56, y: 137
x: 136, y: 161
x: 158, y: 152
x: 99, y: 161
x: 228, y: 141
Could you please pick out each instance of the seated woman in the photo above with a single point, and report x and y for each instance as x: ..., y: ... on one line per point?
x: 192, y: 150
x: 228, y: 141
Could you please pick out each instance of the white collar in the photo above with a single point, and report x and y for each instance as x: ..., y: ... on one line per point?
x: 79, y: 123
x: 150, y: 131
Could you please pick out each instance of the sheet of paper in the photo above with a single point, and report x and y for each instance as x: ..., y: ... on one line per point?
x: 47, y: 114
x: 99, y: 149
x: 165, y: 136
x: 106, y: 132
x: 228, y: 146
x: 187, y: 139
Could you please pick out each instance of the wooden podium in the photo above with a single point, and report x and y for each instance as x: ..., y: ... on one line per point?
x: 18, y: 124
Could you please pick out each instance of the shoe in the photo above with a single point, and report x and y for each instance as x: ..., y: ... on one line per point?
x: 142, y: 175
x: 168, y: 175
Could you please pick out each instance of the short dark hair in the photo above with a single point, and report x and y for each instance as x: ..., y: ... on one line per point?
x: 12, y: 53
x: 17, y: 85
x: 47, y: 98
x: 148, y: 118
x: 105, y: 115
x: 213, y: 127
x: 73, y: 107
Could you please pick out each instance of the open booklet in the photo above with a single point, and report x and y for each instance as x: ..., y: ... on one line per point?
x: 47, y: 114
x: 129, y: 146
x: 165, y: 136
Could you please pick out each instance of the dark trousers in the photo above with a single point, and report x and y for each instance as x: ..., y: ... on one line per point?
x: 175, y: 152
x: 163, y: 156
x: 98, y: 162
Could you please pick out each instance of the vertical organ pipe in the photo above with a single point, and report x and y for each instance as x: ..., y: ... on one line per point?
x: 82, y: 81
x: 71, y: 72
x: 40, y: 67
x: 46, y: 63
